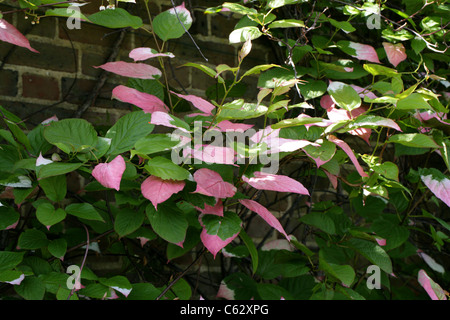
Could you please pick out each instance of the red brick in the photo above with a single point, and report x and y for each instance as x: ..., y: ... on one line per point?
x: 41, y: 87
x: 8, y: 83
x: 50, y: 57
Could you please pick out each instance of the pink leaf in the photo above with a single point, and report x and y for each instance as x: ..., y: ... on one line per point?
x: 212, y: 154
x: 440, y: 188
x: 278, y: 244
x: 225, y: 292
x: 344, y: 146
x: 332, y: 178
x: 327, y: 102
x: 200, y: 103
x: 431, y: 262
x: 147, y: 102
x: 432, y: 288
x: 9, y: 33
x: 158, y: 190
x: 226, y: 125
x: 51, y: 119
x: 210, y: 183
x: 273, y: 182
x: 363, y: 92
x: 141, y: 54
x: 364, y: 52
x: 394, y: 52
x: 381, y: 242
x: 164, y: 119
x: 265, y: 214
x: 217, y: 209
x: 214, y: 243
x: 110, y: 174
x: 275, y: 144
x: 131, y: 70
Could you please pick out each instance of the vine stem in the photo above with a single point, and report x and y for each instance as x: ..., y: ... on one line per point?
x: 181, y: 275
x: 82, y: 263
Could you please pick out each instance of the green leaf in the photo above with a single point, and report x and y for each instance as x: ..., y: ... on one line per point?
x: 377, y: 70
x: 251, y: 248
x: 342, y: 25
x: 65, y: 12
x: 243, y: 34
x: 167, y: 24
x: 48, y: 216
x: 117, y: 18
x: 321, y: 221
x: 32, y: 239
x: 9, y: 260
x: 166, y: 169
x: 37, y: 141
x: 372, y: 252
x: 224, y: 226
x: 386, y: 169
x: 127, y: 130
x: 415, y: 140
x: 127, y: 221
x: 18, y: 134
x: 71, y: 135
x: 210, y: 72
x: 118, y: 283
x: 240, y: 110
x: 83, y: 211
x: 313, y: 89
x: 344, y: 273
x: 344, y: 95
x: 412, y: 102
x: 279, y: 3
x: 323, y: 153
x: 155, y: 143
x: 168, y: 222
x: 143, y: 291
x: 8, y: 217
x: 55, y: 187
x: 31, y: 288
x: 389, y: 229
x: 258, y: 69
x: 238, y: 8
x: 191, y: 240
x: 57, y: 247
x: 99, y: 150
x: 287, y: 23
x: 56, y: 168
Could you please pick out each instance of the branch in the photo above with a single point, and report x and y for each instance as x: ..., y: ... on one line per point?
x: 102, y: 79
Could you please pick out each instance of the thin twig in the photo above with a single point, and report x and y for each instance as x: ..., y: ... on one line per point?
x: 82, y: 263
x: 190, y: 36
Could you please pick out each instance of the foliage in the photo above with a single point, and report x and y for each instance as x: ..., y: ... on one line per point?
x: 358, y: 101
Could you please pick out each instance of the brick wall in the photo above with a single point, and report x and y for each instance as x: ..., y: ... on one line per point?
x: 60, y: 78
